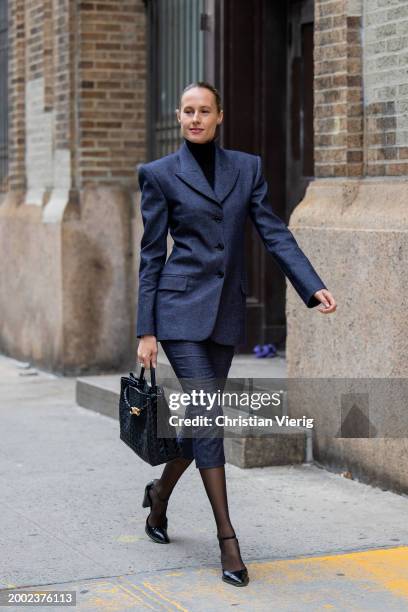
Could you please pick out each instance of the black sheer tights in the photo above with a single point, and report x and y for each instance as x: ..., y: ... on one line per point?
x: 163, y: 488
x: 216, y: 489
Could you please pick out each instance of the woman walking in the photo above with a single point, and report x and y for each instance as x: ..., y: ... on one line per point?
x: 194, y: 303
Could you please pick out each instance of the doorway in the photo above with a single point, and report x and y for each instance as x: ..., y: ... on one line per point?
x: 266, y: 79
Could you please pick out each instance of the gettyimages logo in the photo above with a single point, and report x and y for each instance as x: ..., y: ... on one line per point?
x: 340, y: 408
x: 355, y: 420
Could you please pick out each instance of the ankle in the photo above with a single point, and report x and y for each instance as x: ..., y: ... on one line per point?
x: 231, y: 559
x: 160, y: 493
x: 226, y: 534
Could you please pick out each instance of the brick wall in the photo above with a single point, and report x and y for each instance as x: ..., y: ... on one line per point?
x: 78, y: 100
x: 38, y: 117
x: 361, y: 87
x: 16, y: 80
x: 76, y: 94
x: 386, y: 86
x: 338, y: 119
x: 111, y: 90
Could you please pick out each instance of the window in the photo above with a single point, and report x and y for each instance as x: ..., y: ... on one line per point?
x: 176, y: 58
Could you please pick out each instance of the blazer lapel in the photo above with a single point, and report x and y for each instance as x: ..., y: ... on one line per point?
x: 226, y: 174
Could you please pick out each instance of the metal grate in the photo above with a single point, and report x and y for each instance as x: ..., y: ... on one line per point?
x: 176, y: 58
x: 3, y: 91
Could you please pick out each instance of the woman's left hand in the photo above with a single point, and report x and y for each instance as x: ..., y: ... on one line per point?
x: 328, y: 301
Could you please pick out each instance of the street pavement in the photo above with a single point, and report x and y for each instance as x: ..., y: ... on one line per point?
x: 72, y: 520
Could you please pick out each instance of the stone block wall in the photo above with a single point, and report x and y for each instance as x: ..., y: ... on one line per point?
x: 353, y: 222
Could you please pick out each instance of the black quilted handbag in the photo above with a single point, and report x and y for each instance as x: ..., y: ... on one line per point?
x: 141, y: 407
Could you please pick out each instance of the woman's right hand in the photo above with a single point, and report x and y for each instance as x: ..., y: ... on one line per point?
x: 147, y: 351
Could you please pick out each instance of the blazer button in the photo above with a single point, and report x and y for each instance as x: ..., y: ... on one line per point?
x: 220, y: 273
x: 220, y: 246
x: 218, y: 219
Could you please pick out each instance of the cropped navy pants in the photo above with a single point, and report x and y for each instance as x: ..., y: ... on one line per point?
x: 206, y: 363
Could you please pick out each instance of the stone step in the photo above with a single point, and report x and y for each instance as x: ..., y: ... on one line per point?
x: 245, y: 447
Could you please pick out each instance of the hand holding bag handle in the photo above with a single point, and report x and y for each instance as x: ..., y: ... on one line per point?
x: 141, y: 382
x: 141, y: 375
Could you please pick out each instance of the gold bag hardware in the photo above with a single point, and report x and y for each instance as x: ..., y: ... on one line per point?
x: 135, y: 410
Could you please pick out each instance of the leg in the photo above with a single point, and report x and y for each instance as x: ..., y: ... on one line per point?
x: 179, y: 354
x: 210, y: 362
x: 216, y: 489
x: 163, y: 488
x: 214, y: 478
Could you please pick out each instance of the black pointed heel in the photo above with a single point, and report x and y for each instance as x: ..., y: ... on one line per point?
x: 157, y: 534
x: 238, y: 578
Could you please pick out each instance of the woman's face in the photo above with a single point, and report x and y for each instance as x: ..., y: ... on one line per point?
x: 198, y: 115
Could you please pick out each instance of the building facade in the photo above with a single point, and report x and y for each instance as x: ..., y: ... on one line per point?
x: 319, y: 89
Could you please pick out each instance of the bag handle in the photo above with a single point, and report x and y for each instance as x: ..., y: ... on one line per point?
x: 140, y: 381
x: 142, y: 377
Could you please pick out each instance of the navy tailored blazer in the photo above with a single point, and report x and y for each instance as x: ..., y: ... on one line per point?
x: 200, y: 291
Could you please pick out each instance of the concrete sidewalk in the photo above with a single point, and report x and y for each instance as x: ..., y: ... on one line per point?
x: 71, y: 519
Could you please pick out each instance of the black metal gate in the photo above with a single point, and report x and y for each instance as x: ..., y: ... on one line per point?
x: 176, y: 58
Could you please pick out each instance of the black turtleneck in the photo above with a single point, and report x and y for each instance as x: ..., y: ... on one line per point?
x: 204, y: 154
